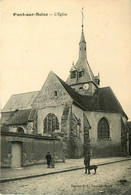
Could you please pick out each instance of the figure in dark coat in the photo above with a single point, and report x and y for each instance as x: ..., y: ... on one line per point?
x: 48, y: 158
x: 87, y: 163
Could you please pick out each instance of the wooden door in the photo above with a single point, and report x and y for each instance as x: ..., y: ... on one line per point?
x: 16, y: 155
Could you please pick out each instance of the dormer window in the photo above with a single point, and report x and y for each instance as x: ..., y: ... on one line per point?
x: 81, y: 74
x: 73, y: 74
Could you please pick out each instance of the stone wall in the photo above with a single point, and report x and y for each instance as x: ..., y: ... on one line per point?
x: 76, y: 137
x: 112, y: 146
x: 5, y: 116
x: 52, y: 93
x: 79, y: 133
x: 34, y: 148
x: 87, y: 127
x: 42, y: 113
x: 65, y: 129
x: 124, y: 130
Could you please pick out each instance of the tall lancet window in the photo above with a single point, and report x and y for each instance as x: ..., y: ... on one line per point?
x: 50, y: 123
x: 103, y: 129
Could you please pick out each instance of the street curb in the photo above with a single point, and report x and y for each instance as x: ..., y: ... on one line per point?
x: 51, y: 173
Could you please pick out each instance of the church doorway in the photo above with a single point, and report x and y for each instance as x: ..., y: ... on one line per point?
x: 16, y: 153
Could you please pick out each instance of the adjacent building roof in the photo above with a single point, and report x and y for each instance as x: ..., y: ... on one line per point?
x: 20, y: 101
x: 20, y: 117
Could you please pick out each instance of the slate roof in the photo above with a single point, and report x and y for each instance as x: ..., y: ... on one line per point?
x: 88, y: 74
x: 82, y: 36
x: 75, y: 96
x: 20, y: 117
x: 103, y: 99
x: 20, y: 101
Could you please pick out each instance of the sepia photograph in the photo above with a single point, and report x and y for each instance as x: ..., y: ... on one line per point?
x: 65, y: 104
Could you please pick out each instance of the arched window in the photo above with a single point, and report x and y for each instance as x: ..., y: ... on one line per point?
x: 103, y: 129
x: 20, y: 130
x: 50, y: 123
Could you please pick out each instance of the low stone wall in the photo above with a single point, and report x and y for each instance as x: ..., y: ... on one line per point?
x: 33, y: 148
x: 106, y: 149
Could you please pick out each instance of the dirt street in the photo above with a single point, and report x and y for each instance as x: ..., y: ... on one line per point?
x: 110, y: 179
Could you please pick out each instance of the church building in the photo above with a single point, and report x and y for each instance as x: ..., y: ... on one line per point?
x: 83, y: 116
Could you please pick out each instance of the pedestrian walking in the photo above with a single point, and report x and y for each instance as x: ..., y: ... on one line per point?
x: 48, y: 158
x: 87, y: 163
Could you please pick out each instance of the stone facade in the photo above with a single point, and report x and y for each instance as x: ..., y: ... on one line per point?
x: 52, y: 94
x: 124, y: 138
x: 87, y: 146
x: 105, y: 147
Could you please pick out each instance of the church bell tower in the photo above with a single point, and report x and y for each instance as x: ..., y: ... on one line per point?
x: 81, y: 77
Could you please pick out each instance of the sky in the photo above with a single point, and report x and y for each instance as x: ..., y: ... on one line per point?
x: 32, y: 46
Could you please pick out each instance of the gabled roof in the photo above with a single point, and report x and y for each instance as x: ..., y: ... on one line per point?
x: 103, y: 100
x: 19, y: 117
x: 20, y: 101
x: 77, y: 98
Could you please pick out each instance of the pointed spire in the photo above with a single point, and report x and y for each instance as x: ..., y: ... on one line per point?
x: 84, y: 73
x: 82, y: 43
x: 82, y: 37
x: 82, y: 33
x: 73, y: 67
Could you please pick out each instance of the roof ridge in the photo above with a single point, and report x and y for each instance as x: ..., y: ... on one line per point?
x: 72, y: 92
x: 25, y: 93
x: 118, y: 102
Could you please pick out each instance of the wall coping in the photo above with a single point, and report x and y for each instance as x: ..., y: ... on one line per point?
x: 6, y: 133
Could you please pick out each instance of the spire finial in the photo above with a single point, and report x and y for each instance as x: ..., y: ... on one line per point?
x: 73, y: 64
x: 82, y: 17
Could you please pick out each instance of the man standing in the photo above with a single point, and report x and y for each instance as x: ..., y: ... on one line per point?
x: 87, y: 163
x: 48, y: 158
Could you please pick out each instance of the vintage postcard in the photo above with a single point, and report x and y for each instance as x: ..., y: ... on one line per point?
x: 65, y: 97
